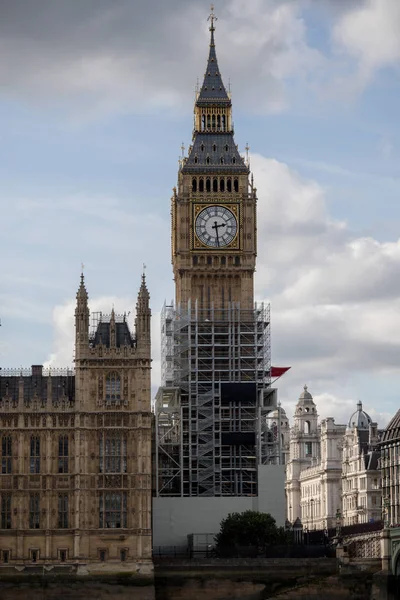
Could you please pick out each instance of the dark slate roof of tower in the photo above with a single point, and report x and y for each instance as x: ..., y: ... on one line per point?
x: 371, y: 460
x: 123, y: 336
x: 392, y: 431
x: 213, y: 87
x: 207, y: 151
x: 214, y: 150
x: 36, y: 385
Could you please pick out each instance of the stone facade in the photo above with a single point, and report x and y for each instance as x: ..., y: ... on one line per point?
x: 390, y: 471
x: 313, y: 481
x: 332, y: 468
x: 361, y: 480
x: 75, y: 483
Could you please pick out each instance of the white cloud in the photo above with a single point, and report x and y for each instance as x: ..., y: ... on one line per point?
x: 128, y: 57
x: 335, y: 297
x: 370, y: 34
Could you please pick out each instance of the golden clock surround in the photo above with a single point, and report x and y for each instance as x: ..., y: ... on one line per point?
x: 196, y: 244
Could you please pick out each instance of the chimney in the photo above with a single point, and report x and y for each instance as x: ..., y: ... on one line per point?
x: 37, y: 370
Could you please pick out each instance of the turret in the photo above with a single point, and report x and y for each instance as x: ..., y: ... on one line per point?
x: 113, y: 336
x: 305, y: 416
x: 143, y: 315
x: 81, y: 320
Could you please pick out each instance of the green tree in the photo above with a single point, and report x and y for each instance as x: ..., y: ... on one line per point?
x: 250, y: 528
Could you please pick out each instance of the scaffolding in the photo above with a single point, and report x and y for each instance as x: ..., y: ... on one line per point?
x: 213, y: 402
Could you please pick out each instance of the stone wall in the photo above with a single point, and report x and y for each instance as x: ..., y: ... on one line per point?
x: 74, y: 591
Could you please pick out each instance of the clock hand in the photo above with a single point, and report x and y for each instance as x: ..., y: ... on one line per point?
x: 215, y: 226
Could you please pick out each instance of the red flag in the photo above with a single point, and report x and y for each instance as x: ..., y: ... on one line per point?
x: 279, y: 371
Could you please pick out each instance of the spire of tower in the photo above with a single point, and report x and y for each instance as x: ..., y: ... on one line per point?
x: 213, y: 87
x: 81, y: 320
x: 113, y: 333
x: 213, y: 145
x: 82, y: 293
x: 143, y: 314
x: 143, y: 296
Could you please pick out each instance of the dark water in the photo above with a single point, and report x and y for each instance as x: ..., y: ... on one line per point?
x: 204, y: 588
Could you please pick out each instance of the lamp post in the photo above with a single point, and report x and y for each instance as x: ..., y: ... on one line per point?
x: 338, y: 523
x: 312, y: 505
x: 385, y: 512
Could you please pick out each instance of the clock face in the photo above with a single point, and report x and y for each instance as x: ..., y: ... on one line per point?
x: 216, y: 226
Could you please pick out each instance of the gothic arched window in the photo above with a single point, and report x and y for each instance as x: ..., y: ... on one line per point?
x: 63, y: 450
x: 5, y: 506
x: 201, y: 184
x: 229, y: 184
x: 236, y: 184
x: 213, y: 121
x: 112, y: 453
x: 63, y: 511
x: 194, y: 184
x: 208, y: 184
x: 215, y: 184
x: 218, y: 122
x: 112, y: 513
x: 113, y: 386
x: 6, y: 454
x: 34, y: 465
x: 222, y: 184
x: 223, y: 121
x: 203, y: 122
x: 34, y: 511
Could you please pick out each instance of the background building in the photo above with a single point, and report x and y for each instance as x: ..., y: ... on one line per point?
x: 76, y: 451
x: 332, y: 467
x: 361, y: 480
x: 216, y: 450
x: 390, y: 471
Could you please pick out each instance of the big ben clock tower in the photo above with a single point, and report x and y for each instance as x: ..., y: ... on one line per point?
x: 214, y: 207
x: 210, y: 410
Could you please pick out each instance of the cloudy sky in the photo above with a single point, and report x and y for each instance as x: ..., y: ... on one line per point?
x: 96, y: 98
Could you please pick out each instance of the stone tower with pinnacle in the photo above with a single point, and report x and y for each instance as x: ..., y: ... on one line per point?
x: 79, y: 447
x: 214, y: 206
x: 211, y: 430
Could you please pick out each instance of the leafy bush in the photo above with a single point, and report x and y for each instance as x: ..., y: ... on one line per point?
x: 250, y: 529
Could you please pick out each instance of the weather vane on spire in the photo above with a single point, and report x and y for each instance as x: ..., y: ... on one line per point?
x: 212, y: 18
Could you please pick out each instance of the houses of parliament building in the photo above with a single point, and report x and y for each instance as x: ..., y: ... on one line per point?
x: 75, y: 482
x: 76, y: 475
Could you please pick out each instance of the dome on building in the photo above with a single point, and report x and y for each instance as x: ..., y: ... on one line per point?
x: 305, y: 404
x: 278, y: 413
x: 392, y: 431
x: 360, y: 418
x: 305, y: 395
